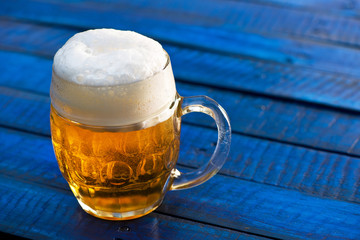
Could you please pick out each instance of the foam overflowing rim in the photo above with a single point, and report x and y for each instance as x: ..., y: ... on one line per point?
x: 161, y: 115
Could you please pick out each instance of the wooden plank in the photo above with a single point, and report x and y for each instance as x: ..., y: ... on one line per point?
x: 314, y: 172
x: 265, y: 78
x: 222, y: 201
x: 336, y: 7
x: 12, y: 104
x: 43, y: 212
x: 35, y: 72
x: 179, y: 23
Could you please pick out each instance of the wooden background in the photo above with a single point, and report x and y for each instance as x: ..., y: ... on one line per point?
x: 286, y: 71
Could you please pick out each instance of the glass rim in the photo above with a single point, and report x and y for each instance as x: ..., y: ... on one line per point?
x: 154, y: 120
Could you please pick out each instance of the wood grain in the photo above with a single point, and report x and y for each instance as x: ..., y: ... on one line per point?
x: 249, y: 205
x: 344, y: 8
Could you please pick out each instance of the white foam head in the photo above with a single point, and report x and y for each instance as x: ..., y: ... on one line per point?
x: 107, y: 77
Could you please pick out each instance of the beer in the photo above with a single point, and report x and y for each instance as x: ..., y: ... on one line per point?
x: 112, y: 171
x: 115, y: 123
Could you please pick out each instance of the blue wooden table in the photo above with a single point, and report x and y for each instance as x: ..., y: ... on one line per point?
x: 286, y: 71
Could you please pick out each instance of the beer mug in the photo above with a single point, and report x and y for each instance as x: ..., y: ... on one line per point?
x: 117, y: 144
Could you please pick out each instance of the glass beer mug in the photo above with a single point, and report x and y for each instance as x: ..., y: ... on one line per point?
x: 117, y: 144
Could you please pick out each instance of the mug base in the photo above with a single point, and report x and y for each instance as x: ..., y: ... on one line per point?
x: 119, y: 216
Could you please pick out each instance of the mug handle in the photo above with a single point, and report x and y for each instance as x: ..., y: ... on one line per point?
x: 208, y: 106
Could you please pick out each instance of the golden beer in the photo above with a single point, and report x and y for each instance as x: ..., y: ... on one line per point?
x: 111, y: 171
